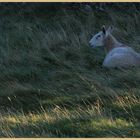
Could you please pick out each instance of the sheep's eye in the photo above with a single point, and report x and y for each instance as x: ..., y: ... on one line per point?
x: 98, y: 36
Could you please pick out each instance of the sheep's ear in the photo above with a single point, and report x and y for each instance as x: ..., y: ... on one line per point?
x: 103, y: 29
x: 110, y: 29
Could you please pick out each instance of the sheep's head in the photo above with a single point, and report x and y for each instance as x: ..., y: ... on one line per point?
x: 98, y: 39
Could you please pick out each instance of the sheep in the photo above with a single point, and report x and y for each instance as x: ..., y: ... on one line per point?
x: 118, y: 54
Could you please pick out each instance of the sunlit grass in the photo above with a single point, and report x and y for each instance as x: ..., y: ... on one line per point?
x: 62, y: 121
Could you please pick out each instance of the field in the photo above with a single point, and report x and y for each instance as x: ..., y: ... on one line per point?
x: 52, y: 83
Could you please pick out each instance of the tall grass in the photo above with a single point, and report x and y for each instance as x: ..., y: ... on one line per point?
x: 52, y: 83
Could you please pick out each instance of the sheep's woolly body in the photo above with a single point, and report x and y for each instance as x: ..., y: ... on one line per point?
x: 121, y: 57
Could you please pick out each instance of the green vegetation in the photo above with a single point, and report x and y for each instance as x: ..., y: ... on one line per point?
x: 52, y: 83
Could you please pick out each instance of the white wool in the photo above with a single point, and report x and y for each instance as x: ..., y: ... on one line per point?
x: 121, y: 57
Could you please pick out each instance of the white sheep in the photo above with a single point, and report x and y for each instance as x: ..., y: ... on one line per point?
x: 118, y: 54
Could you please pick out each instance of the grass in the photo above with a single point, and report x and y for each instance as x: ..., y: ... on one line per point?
x: 52, y: 83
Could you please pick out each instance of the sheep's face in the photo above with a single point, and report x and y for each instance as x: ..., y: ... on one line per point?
x: 98, y: 39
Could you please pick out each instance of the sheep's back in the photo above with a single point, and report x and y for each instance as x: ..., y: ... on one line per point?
x: 121, y: 57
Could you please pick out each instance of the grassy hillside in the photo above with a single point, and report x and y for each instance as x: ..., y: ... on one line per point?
x: 52, y: 83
